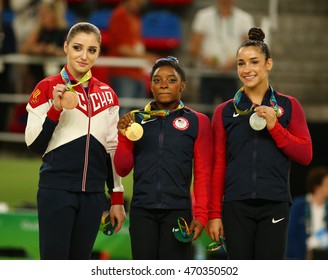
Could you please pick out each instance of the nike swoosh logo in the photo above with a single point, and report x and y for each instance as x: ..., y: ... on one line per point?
x: 235, y: 115
x: 147, y: 121
x: 277, y: 221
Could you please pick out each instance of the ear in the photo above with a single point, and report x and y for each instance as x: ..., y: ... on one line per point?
x: 65, y: 47
x: 183, y: 86
x: 269, y: 64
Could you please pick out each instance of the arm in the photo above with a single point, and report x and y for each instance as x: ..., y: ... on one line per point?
x: 124, y: 158
x: 295, y: 141
x: 215, y: 227
x: 113, y: 180
x: 43, y: 117
x: 203, y: 150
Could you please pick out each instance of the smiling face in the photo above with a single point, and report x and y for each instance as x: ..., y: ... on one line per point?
x: 82, y: 50
x: 253, y: 67
x: 166, y: 86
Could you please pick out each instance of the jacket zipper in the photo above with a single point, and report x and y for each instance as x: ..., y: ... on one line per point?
x: 160, y: 142
x: 254, y: 155
x: 86, y: 155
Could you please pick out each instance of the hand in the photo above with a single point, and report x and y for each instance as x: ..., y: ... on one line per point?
x: 214, y: 228
x: 268, y: 114
x: 57, y: 94
x: 197, y: 227
x: 125, y: 121
x: 117, y: 212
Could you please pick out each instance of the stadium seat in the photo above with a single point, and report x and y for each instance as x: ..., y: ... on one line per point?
x: 7, y: 16
x: 161, y: 30
x: 100, y: 18
x: 70, y: 18
x: 171, y: 2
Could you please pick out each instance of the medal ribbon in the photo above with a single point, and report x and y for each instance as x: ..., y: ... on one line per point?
x: 148, y: 112
x: 238, y: 95
x: 67, y: 81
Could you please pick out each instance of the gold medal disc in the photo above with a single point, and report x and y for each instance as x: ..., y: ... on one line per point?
x: 69, y: 100
x: 134, y: 132
x: 256, y: 122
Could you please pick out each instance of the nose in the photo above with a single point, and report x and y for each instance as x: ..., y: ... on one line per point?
x: 247, y: 67
x: 84, y: 55
x: 164, y: 84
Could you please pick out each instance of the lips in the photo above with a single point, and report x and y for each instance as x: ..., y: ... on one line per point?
x: 82, y: 64
x: 249, y: 77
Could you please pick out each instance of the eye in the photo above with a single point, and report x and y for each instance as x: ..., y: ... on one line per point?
x: 156, y: 80
x: 93, y: 50
x: 255, y: 62
x: 172, y: 80
x: 77, y: 48
x: 241, y: 63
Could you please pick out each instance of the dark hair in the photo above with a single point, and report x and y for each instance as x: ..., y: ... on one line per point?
x: 256, y: 38
x: 83, y: 27
x: 315, y: 177
x: 169, y: 61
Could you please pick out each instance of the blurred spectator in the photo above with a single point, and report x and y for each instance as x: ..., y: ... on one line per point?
x: 217, y: 31
x: 125, y: 40
x: 7, y: 45
x: 49, y: 33
x: 25, y: 18
x: 308, y: 226
x: 48, y: 36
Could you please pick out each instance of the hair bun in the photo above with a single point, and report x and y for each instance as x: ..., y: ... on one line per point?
x: 256, y: 34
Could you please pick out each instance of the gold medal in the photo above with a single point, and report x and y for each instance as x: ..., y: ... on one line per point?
x: 134, y: 132
x: 69, y: 100
x: 256, y: 122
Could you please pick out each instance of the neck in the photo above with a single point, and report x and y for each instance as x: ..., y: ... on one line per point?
x: 318, y: 199
x: 256, y: 94
x: 77, y: 75
x: 225, y: 10
x: 167, y: 106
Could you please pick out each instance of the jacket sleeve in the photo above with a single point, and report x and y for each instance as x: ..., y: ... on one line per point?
x: 295, y: 141
x: 219, y: 165
x: 113, y: 180
x: 124, y: 158
x: 42, y: 118
x: 203, y: 151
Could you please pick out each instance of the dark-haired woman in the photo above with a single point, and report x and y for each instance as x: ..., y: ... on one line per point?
x: 77, y: 144
x: 176, y: 145
x: 256, y: 135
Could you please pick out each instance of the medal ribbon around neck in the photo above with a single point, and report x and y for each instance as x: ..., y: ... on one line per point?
x: 67, y: 81
x: 135, y: 131
x: 238, y: 95
x: 148, y: 112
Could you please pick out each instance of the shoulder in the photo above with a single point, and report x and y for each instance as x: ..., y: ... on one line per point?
x: 218, y: 109
x: 242, y: 14
x: 50, y: 81
x: 119, y: 11
x: 199, y: 115
x: 293, y: 100
x: 205, y: 12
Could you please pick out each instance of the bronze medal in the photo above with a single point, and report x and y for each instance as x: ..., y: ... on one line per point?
x: 134, y: 132
x: 69, y: 100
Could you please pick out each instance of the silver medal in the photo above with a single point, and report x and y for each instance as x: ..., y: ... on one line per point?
x: 256, y: 122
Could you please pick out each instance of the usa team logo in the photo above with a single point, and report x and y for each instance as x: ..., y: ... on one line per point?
x: 280, y: 112
x: 180, y: 123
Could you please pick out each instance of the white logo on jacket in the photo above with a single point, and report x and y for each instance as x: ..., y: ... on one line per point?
x: 180, y: 123
x: 99, y: 101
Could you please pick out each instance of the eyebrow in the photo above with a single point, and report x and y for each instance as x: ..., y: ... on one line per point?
x: 79, y: 44
x: 252, y: 58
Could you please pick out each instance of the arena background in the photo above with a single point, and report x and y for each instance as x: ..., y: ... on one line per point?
x: 298, y: 38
